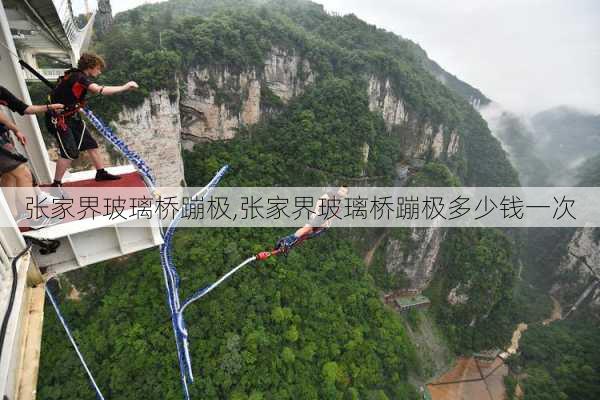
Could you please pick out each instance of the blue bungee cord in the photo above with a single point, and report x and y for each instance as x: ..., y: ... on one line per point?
x: 169, y: 271
x: 172, y: 284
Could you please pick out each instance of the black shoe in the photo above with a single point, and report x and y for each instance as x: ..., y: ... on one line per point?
x: 102, y: 175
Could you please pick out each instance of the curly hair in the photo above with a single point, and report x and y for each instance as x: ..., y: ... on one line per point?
x: 89, y: 60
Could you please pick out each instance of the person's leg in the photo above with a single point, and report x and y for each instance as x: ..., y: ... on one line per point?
x: 62, y: 164
x: 67, y: 147
x: 101, y: 173
x: 7, y: 180
x: 89, y: 144
x: 23, y: 176
x: 14, y: 173
x: 24, y: 181
x: 96, y: 158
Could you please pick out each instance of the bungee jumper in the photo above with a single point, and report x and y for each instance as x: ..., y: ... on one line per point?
x: 316, y: 226
x: 79, y: 90
x: 67, y: 126
x: 318, y: 223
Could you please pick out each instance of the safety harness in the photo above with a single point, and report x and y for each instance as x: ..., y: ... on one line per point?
x: 58, y: 117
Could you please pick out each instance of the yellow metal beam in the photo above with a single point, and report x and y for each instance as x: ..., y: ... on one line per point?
x: 32, y: 344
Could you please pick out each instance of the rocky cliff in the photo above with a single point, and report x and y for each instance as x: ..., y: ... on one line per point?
x: 154, y: 131
x: 415, y: 257
x: 104, y: 18
x: 217, y: 102
x: 580, y: 268
x: 420, y: 138
x: 213, y: 103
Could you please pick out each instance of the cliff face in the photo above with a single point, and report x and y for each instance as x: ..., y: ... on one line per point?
x: 213, y: 104
x: 205, y: 116
x: 104, y: 18
x: 286, y: 74
x: 416, y: 257
x: 153, y: 130
x: 216, y: 102
x: 419, y: 138
x: 574, y: 276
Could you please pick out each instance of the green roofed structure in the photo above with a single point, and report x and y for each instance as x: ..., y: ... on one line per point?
x: 406, y: 303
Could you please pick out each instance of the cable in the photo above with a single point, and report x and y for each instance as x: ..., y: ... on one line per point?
x: 11, y: 301
x: 9, y: 50
x: 36, y: 73
x: 65, y: 326
x: 201, y: 293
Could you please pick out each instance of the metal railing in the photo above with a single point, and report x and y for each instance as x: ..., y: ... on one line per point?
x: 64, y: 8
x: 51, y: 74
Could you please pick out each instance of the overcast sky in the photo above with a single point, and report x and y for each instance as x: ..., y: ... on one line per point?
x: 528, y: 55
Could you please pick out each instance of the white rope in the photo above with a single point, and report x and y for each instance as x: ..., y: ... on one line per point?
x: 204, y: 292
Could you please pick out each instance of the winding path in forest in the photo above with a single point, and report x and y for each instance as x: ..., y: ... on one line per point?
x: 468, y: 378
x: 556, y: 312
x: 369, y: 256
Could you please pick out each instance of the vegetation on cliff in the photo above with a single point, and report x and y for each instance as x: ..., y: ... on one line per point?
x: 560, y: 361
x: 472, y: 294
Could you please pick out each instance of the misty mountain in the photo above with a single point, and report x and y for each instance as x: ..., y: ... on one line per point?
x: 588, y: 174
x: 548, y: 148
x: 566, y: 135
x: 461, y: 88
x: 519, y: 141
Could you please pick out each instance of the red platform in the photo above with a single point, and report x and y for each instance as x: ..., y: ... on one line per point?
x: 77, y: 212
x: 132, y: 179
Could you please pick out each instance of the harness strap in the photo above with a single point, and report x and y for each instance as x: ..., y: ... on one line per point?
x: 58, y: 118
